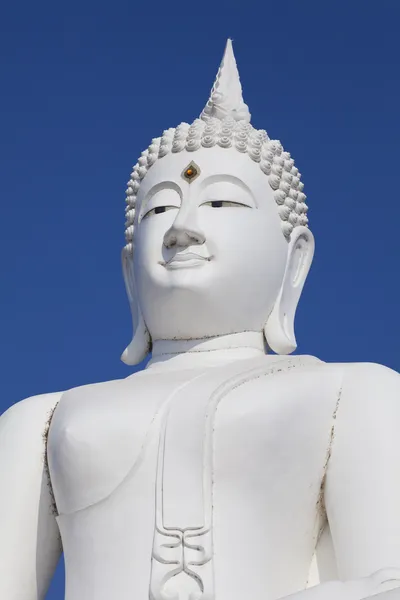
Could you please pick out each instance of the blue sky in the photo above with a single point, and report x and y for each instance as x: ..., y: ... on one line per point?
x: 85, y: 86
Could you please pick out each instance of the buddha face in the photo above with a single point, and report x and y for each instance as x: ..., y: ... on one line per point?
x: 210, y: 254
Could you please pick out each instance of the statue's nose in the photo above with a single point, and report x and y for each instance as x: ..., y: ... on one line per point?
x: 185, y: 230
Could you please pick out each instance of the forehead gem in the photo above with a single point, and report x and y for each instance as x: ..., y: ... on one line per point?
x: 191, y: 172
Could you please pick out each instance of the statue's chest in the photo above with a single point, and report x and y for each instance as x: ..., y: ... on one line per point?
x: 99, y: 433
x: 223, y: 463
x: 240, y: 429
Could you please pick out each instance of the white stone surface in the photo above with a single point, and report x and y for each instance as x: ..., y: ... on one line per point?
x: 221, y: 471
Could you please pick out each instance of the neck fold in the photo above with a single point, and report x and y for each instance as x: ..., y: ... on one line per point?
x: 207, y: 352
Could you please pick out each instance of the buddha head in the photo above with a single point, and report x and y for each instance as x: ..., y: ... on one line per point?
x: 216, y: 230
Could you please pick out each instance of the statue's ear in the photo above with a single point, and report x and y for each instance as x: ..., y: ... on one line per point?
x: 279, y: 329
x: 141, y: 342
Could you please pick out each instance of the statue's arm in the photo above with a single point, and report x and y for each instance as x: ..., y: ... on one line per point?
x: 29, y: 538
x: 362, y: 491
x: 362, y: 488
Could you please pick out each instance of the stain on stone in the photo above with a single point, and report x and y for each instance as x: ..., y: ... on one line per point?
x: 45, y: 436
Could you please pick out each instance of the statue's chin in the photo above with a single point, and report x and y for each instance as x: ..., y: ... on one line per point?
x: 195, y: 305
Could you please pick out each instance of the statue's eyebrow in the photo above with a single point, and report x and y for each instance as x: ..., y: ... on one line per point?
x: 158, y: 187
x: 227, y: 178
x: 162, y: 185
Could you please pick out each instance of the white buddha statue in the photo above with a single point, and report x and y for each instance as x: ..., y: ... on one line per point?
x: 221, y: 471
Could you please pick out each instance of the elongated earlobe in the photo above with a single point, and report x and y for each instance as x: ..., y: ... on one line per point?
x: 140, y: 345
x: 279, y: 329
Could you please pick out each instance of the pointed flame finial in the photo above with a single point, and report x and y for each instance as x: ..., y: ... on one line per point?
x: 226, y: 99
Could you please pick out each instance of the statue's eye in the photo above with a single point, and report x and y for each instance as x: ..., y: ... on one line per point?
x: 157, y: 210
x: 224, y: 203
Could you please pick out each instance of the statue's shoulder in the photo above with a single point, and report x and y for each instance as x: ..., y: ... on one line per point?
x: 366, y: 444
x: 39, y: 408
x: 92, y: 390
x: 364, y: 373
x: 99, y: 395
x: 368, y: 388
x: 358, y: 382
x: 361, y: 372
x: 31, y: 407
x: 28, y: 419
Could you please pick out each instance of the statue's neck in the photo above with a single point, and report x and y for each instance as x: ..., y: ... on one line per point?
x: 215, y: 351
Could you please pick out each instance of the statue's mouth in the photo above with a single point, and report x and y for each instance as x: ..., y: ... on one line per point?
x: 182, y: 260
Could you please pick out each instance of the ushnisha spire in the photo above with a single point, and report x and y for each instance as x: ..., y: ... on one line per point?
x: 226, y: 98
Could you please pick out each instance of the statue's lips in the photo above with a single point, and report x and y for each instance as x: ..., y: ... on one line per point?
x: 185, y: 260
